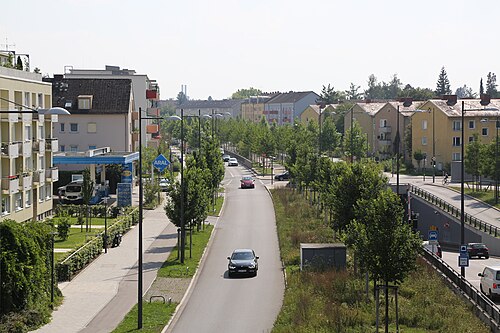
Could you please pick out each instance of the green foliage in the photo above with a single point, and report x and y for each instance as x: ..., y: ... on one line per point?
x: 443, y: 84
x: 63, y: 226
x: 355, y: 141
x: 155, y: 315
x: 246, y: 93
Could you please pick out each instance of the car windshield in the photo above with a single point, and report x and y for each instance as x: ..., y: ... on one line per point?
x: 242, y: 256
x: 478, y: 246
x: 246, y: 178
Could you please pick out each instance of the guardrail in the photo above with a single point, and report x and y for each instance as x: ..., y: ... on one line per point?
x: 454, y: 211
x: 489, y: 313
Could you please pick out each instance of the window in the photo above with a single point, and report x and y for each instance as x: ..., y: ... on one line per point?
x: 27, y: 132
x: 62, y: 147
x: 92, y: 147
x: 41, y: 132
x: 73, y: 127
x: 457, y: 125
x: 484, y: 131
x: 41, y: 193
x: 471, y: 139
x: 456, y: 141
x: 40, y: 100
x: 383, y: 122
x: 61, y: 127
x: 424, y: 141
x: 472, y: 124
x: 456, y: 157
x: 73, y: 148
x: 28, y: 198
x: 5, y: 205
x: 424, y: 124
x: 85, y: 102
x: 48, y: 192
x: 18, y: 201
x: 91, y: 128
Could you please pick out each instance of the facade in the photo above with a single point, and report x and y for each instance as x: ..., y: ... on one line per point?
x: 101, y: 114
x: 312, y: 113
x: 284, y: 108
x: 27, y: 146
x: 252, y: 108
x: 146, y: 94
x: 437, y: 131
x: 226, y: 107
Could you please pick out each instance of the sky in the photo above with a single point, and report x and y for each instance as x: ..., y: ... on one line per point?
x: 216, y: 47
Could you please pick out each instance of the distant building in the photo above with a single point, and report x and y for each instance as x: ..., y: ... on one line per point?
x: 252, y: 108
x: 284, y: 108
x: 225, y: 107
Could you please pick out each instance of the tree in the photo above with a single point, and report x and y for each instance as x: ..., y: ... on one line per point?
x: 418, y: 156
x: 19, y: 63
x: 481, y: 88
x: 246, y: 93
x: 385, y: 246
x: 330, y: 96
x: 355, y: 141
x: 87, y: 193
x: 181, y: 98
x: 491, y: 85
x: 443, y: 84
x: 473, y: 161
x: 417, y: 94
x: 465, y: 92
x: 352, y: 93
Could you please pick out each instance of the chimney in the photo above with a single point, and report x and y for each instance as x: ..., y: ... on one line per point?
x: 450, y: 99
x: 485, y: 99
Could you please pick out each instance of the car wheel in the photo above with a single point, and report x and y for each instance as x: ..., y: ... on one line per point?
x: 280, y: 178
x: 229, y: 274
x: 487, y: 257
x: 479, y: 257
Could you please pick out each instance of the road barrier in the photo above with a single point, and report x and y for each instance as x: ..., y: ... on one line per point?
x: 454, y: 211
x: 485, y: 308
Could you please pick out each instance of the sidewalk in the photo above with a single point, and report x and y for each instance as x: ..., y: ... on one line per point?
x: 98, y: 298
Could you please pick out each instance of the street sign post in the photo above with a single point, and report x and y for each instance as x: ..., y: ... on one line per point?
x: 463, y: 258
x: 161, y: 162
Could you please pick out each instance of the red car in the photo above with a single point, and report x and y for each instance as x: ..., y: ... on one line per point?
x: 247, y: 182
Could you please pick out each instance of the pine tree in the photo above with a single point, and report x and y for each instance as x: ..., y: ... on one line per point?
x: 443, y: 84
x: 19, y: 64
x: 481, y: 88
x: 491, y: 85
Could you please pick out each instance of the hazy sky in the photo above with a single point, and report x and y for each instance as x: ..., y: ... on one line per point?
x: 216, y: 47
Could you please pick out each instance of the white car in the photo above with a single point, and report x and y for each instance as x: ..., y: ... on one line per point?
x: 232, y: 162
x: 164, y: 183
x: 490, y: 281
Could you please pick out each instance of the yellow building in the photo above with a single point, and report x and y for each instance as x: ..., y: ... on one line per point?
x: 27, y: 145
x: 437, y: 130
x: 312, y: 113
x: 252, y: 109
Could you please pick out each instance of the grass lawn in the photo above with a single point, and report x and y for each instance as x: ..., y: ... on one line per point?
x: 155, y: 315
x: 93, y: 221
x: 76, y: 238
x: 335, y: 301
x: 173, y: 268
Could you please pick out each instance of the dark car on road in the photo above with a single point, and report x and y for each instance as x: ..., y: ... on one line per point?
x: 244, y: 262
x: 282, y: 176
x: 478, y: 250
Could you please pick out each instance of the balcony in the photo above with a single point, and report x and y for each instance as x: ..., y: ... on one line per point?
x: 26, y: 181
x: 10, y: 184
x: 39, y: 177
x: 52, y: 174
x: 151, y: 94
x: 10, y: 150
x: 11, y: 117
x: 27, y: 148
x: 153, y: 112
x: 39, y: 146
x: 52, y: 144
x: 153, y: 128
x: 135, y: 115
x: 135, y: 136
x: 386, y: 129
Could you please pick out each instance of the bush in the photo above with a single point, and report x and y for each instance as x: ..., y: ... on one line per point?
x: 63, y: 227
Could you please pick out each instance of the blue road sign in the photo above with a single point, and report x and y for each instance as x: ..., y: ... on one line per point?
x: 433, y: 235
x: 463, y: 260
x: 161, y: 162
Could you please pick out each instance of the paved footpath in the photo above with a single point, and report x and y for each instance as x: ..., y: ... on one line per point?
x: 98, y: 298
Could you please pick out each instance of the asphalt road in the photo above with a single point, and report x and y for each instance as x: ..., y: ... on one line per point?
x: 219, y: 304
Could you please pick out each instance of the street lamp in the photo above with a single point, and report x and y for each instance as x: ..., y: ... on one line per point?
x: 54, y: 110
x: 496, y: 156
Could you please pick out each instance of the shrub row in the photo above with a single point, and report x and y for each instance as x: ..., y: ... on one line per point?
x: 80, y: 258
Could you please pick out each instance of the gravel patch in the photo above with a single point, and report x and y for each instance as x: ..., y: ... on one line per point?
x: 174, y: 288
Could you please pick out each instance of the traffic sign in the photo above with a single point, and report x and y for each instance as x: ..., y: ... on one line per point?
x: 433, y: 236
x: 463, y: 260
x: 161, y: 162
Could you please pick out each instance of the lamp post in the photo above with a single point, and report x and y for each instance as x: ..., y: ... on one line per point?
x: 433, y: 149
x: 105, y: 199
x: 397, y: 151
x: 352, y: 128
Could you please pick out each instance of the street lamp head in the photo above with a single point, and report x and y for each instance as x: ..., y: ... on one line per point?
x: 174, y: 118
x: 55, y: 110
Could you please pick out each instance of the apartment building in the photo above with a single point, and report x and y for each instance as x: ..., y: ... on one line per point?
x: 27, y: 146
x: 284, y: 108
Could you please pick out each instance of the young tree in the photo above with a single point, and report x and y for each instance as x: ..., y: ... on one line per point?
x: 355, y: 141
x: 246, y: 93
x: 19, y: 63
x: 87, y: 193
x: 465, y: 92
x: 418, y: 156
x: 385, y: 245
x: 352, y: 93
x: 481, y: 88
x: 443, y: 83
x: 491, y: 85
x: 473, y: 157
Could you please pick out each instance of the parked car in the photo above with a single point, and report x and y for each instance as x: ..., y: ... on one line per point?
x: 433, y: 248
x: 243, y: 261
x: 226, y: 157
x: 164, y: 184
x: 478, y: 250
x: 232, y: 162
x: 490, y: 281
x: 247, y: 182
x: 283, y: 176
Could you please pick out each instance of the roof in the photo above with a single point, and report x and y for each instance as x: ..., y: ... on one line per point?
x: 371, y: 108
x: 290, y: 97
x: 109, y: 96
x: 472, y: 107
x: 205, y: 104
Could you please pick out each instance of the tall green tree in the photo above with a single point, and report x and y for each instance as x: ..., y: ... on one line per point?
x: 443, y: 83
x: 481, y: 87
x: 330, y: 96
x: 355, y: 141
x: 246, y: 93
x: 87, y: 193
x: 491, y: 85
x: 19, y: 63
x: 181, y: 98
x: 352, y: 93
x: 473, y: 157
x: 465, y: 92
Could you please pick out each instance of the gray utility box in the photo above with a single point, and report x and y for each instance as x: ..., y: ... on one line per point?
x: 322, y: 256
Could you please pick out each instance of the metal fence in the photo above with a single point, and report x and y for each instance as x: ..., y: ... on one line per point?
x: 454, y: 211
x: 486, y: 309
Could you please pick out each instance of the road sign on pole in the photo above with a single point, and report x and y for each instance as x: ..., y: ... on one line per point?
x: 161, y: 162
x: 433, y: 236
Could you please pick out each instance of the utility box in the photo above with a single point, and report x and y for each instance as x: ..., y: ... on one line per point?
x: 322, y: 256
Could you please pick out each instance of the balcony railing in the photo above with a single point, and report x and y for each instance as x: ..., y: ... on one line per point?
x: 153, y: 128
x: 39, y: 146
x: 11, y: 117
x: 52, y: 174
x: 27, y: 181
x: 52, y: 144
x: 39, y: 177
x: 135, y: 115
x: 135, y: 136
x: 151, y: 94
x: 27, y: 148
x: 10, y: 150
x: 10, y: 185
x: 153, y: 112
x: 386, y: 129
